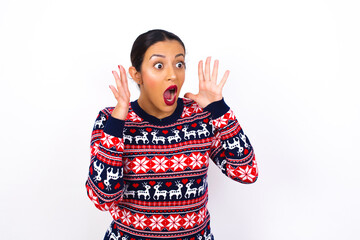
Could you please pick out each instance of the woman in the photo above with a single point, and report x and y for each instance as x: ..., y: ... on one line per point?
x: 149, y: 158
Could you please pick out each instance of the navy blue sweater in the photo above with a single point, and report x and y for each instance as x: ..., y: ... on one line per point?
x: 151, y: 174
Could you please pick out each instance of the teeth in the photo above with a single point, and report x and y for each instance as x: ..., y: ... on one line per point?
x: 170, y: 94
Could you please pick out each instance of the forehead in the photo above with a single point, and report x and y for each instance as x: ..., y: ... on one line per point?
x: 168, y: 48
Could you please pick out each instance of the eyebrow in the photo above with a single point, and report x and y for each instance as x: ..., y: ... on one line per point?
x: 162, y: 56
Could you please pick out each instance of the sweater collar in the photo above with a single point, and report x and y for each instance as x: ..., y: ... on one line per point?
x: 156, y: 121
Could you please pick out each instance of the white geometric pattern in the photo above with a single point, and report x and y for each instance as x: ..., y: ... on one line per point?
x: 179, y: 162
x: 176, y: 169
x: 173, y: 222
x: 107, y: 140
x: 197, y: 160
x: 245, y: 174
x: 159, y: 164
x: 141, y: 165
x: 158, y: 222
x: 134, y: 117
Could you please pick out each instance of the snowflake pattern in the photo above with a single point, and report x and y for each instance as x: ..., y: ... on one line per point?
x: 220, y: 122
x: 156, y: 222
x: 196, y: 160
x: 119, y: 145
x: 195, y: 108
x: 95, y: 149
x: 245, y: 174
x: 107, y: 140
x: 160, y: 164
x: 141, y: 158
x: 127, y: 165
x: 140, y: 165
x: 179, y: 162
x: 230, y: 115
x: 134, y: 117
x: 186, y: 112
x: 230, y: 171
x: 115, y: 212
x: 189, y: 220
x: 125, y: 217
x: 173, y: 222
x: 139, y: 221
x: 201, y: 216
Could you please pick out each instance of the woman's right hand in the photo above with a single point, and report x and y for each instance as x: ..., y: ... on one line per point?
x: 121, y: 93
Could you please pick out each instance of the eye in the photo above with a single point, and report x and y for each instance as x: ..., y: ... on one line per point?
x: 158, y: 65
x: 180, y: 64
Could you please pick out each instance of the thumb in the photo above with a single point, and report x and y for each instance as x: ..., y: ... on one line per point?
x: 191, y: 96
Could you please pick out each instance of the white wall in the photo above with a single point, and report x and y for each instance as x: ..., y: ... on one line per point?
x: 293, y: 85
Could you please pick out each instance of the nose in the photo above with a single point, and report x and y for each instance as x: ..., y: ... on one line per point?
x: 171, y: 75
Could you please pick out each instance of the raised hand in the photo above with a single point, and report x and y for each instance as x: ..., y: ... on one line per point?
x: 209, y: 90
x: 121, y: 93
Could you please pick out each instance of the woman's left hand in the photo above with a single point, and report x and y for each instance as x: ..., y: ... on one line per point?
x: 209, y: 91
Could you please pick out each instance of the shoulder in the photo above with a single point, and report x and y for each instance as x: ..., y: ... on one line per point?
x: 107, y: 111
x: 131, y: 117
x: 104, y: 113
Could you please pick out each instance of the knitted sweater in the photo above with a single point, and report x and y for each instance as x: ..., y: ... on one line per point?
x: 151, y: 174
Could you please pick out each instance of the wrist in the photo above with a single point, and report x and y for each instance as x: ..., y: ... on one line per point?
x: 114, y: 127
x: 120, y: 112
x: 217, y: 108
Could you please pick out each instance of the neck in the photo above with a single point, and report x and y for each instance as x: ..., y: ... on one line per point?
x: 151, y: 109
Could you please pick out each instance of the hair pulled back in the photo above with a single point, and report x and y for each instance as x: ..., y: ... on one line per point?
x: 145, y: 40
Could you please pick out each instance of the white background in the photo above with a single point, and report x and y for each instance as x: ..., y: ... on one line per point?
x: 293, y: 86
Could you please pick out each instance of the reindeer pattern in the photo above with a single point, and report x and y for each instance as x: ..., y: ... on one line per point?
x: 159, y: 191
x: 99, y: 122
x: 176, y: 134
x: 173, y: 178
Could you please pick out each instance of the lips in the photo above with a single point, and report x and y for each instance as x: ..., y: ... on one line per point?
x: 170, y: 95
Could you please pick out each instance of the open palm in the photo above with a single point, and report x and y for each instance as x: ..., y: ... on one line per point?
x: 121, y: 93
x: 209, y: 90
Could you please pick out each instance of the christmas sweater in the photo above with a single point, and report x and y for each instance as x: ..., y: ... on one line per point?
x: 151, y: 174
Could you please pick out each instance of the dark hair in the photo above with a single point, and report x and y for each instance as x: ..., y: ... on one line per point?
x: 145, y: 40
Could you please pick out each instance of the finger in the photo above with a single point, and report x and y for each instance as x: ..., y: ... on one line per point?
x: 207, y: 69
x: 191, y: 96
x: 215, y: 71
x: 117, y: 80
x: 113, y: 89
x: 201, y: 73
x: 223, y: 80
x: 124, y: 80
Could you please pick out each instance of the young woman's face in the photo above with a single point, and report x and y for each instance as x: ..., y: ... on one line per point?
x: 162, y: 76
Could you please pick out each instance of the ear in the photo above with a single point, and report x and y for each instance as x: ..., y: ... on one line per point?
x: 135, y: 75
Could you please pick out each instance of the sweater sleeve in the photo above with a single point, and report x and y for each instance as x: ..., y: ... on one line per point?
x: 231, y: 150
x: 105, y: 182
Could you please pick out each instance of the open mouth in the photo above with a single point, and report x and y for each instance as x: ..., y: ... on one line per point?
x: 170, y: 95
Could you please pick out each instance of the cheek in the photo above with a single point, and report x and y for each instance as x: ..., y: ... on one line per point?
x: 151, y: 79
x: 181, y: 76
x: 182, y: 79
x: 152, y: 85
